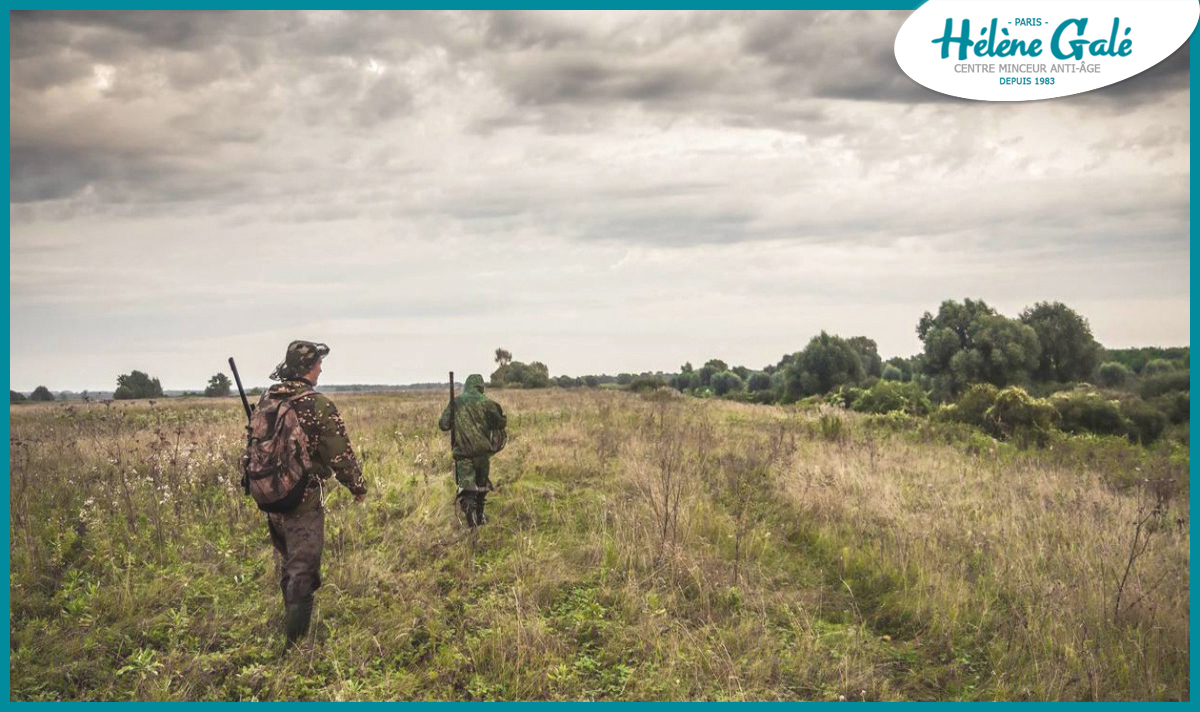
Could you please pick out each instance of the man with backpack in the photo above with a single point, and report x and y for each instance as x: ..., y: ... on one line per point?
x: 477, y: 425
x: 297, y: 440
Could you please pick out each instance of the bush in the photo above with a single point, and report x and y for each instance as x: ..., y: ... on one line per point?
x: 1177, y: 406
x: 758, y: 381
x: 891, y: 373
x: 1157, y: 367
x: 972, y: 405
x: 642, y: 384
x: 890, y: 396
x: 1086, y: 411
x: 1146, y: 423
x: 1154, y: 386
x: 1113, y: 374
x: 726, y: 382
x: 844, y: 396
x: 1016, y: 415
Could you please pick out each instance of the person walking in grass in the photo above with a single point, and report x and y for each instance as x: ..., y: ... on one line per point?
x: 479, y: 431
x: 312, y: 444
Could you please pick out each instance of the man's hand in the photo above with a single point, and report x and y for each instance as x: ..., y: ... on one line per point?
x: 360, y: 498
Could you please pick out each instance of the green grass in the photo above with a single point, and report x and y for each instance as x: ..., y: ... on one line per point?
x: 876, y: 558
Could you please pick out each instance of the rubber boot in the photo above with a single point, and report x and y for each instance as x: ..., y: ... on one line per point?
x: 297, y: 620
x: 480, y: 517
x: 466, y: 501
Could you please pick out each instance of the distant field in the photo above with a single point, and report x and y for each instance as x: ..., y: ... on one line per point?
x: 641, y: 548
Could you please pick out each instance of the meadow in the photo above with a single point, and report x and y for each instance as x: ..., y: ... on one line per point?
x: 641, y: 547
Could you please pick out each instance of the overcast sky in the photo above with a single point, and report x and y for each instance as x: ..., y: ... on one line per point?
x: 602, y: 192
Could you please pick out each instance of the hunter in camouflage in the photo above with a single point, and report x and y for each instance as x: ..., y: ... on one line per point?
x: 299, y: 535
x: 479, y: 433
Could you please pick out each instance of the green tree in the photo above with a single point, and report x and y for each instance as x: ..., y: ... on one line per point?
x: 41, y: 393
x: 1068, y: 351
x: 567, y: 382
x: 16, y: 397
x: 1113, y: 374
x: 137, y: 385
x: 685, y: 380
x: 758, y: 381
x: 710, y: 369
x: 970, y: 343
x: 521, y: 375
x: 726, y: 382
x: 646, y: 382
x: 503, y: 357
x: 868, y: 353
x: 1008, y: 350
x: 1158, y: 366
x: 826, y: 363
x: 218, y: 386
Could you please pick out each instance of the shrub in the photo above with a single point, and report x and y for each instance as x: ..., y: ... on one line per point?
x: 642, y: 384
x: 890, y: 396
x: 1157, y: 367
x: 972, y: 405
x: 1146, y: 423
x: 1084, y: 410
x: 844, y: 396
x: 1113, y: 374
x: 758, y: 381
x: 891, y: 373
x: 1175, y: 405
x: 1019, y: 416
x: 726, y: 382
x: 1153, y: 386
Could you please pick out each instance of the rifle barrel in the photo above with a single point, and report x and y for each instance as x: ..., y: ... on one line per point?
x: 241, y: 391
x: 452, y: 409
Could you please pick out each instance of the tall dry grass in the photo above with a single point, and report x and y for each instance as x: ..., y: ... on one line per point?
x: 641, y: 547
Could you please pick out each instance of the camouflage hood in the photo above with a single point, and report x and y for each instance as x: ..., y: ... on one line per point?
x: 473, y: 388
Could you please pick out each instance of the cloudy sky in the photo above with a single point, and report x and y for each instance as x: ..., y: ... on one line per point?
x: 602, y: 192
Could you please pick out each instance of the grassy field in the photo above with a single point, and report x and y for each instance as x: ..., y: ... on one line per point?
x: 641, y: 548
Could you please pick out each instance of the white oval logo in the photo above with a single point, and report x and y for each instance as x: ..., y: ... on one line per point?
x: 1021, y: 50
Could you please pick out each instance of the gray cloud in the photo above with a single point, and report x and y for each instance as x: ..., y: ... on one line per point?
x: 650, y: 187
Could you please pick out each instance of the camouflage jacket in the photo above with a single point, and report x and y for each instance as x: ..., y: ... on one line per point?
x: 328, y: 443
x: 475, y: 417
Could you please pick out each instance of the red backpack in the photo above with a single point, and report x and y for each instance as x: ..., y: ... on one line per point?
x: 276, y: 463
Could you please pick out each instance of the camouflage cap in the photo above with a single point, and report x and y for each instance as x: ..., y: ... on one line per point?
x: 300, y: 358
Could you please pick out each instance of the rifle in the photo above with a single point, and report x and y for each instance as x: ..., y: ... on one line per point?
x: 246, y: 406
x: 452, y: 414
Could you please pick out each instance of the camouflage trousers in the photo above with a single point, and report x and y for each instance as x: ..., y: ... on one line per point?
x: 471, y: 477
x: 299, y: 537
x: 471, y: 473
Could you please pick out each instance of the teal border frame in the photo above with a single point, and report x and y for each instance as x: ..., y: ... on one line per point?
x: 907, y: 5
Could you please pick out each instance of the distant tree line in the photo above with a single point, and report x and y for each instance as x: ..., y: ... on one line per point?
x: 1039, y: 371
x: 1013, y: 377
